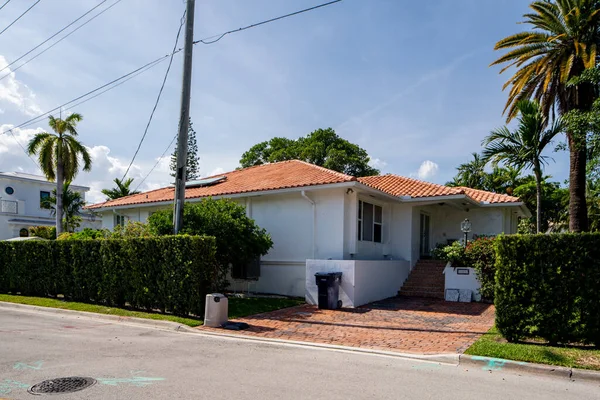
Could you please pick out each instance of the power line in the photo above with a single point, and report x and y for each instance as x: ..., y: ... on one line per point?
x: 61, y: 39
x: 19, y: 17
x: 162, y: 86
x: 53, y: 36
x: 41, y: 116
x: 2, y: 6
x: 221, y: 36
x: 147, y: 67
x: 157, y: 162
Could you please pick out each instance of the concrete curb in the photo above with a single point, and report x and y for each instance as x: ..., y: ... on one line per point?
x: 157, y: 324
x: 450, y: 359
x: 444, y: 358
x: 499, y: 364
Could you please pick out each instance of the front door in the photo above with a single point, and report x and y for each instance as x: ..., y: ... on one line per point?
x: 424, y: 233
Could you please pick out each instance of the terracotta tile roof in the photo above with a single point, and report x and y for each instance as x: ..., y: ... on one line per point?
x: 483, y: 196
x: 281, y: 175
x: 400, y: 186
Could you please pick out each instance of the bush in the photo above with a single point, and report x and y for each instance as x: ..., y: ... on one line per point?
x: 480, y: 254
x: 548, y: 286
x: 239, y: 240
x: 44, y: 232
x: 454, y: 253
x: 171, y: 273
x: 86, y: 234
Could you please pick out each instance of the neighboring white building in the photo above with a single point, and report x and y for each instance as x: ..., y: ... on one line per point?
x: 313, y: 213
x: 20, y: 204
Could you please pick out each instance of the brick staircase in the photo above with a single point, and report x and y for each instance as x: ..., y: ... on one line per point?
x: 425, y: 280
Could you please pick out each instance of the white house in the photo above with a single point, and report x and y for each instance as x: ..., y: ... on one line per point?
x: 20, y: 204
x: 373, y: 229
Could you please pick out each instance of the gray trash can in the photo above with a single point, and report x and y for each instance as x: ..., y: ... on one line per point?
x: 329, y: 289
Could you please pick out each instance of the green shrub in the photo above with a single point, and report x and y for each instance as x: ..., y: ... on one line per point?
x: 239, y: 240
x: 132, y: 229
x: 86, y: 234
x: 480, y: 254
x: 453, y: 253
x: 548, y: 286
x: 44, y: 232
x: 170, y: 273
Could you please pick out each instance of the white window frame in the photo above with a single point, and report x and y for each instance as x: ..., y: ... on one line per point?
x: 361, y: 224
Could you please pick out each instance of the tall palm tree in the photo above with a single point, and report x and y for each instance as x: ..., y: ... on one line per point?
x: 523, y: 147
x: 73, y: 203
x: 122, y: 189
x: 58, y: 155
x: 563, y: 43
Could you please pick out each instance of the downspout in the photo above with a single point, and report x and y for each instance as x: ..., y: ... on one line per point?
x: 314, y: 221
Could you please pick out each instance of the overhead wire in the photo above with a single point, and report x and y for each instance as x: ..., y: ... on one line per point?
x: 122, y: 79
x: 221, y: 36
x: 156, y: 164
x: 53, y: 36
x: 216, y: 38
x: 61, y: 39
x: 19, y: 17
x: 2, y: 6
x: 162, y: 86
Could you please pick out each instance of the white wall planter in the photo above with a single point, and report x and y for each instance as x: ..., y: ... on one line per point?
x: 458, y: 281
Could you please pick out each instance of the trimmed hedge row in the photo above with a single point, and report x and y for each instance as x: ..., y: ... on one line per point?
x: 170, y: 273
x: 549, y: 286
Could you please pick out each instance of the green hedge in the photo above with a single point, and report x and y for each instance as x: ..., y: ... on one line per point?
x: 170, y: 273
x: 548, y: 286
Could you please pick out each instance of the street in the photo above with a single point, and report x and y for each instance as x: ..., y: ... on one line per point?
x: 135, y: 362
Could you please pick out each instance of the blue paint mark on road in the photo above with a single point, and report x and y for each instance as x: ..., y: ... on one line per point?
x: 495, y: 364
x: 138, y: 381
x: 7, y: 386
x: 35, y: 365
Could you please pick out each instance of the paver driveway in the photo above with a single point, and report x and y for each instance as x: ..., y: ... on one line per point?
x: 402, y: 324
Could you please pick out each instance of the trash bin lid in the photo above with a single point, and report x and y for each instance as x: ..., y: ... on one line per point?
x: 323, y: 274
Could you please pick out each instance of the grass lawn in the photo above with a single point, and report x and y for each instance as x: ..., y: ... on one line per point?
x: 493, y: 345
x: 238, y: 307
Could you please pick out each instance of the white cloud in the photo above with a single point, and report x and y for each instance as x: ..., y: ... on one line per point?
x: 13, y: 91
x: 377, y: 163
x: 216, y: 171
x: 427, y: 170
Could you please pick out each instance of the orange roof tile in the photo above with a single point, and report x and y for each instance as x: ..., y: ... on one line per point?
x: 281, y: 175
x: 400, y: 186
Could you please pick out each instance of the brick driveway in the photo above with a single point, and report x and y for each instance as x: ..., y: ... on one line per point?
x: 403, y: 324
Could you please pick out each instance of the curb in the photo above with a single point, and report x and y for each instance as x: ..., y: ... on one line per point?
x: 500, y: 364
x: 443, y: 358
x: 448, y: 359
x: 157, y: 324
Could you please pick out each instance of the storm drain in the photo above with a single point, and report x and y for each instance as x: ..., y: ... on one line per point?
x: 62, y: 385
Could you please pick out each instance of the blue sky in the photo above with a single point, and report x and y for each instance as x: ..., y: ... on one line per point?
x: 407, y: 81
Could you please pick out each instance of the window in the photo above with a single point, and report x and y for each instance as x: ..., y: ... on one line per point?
x: 9, y: 190
x: 120, y: 220
x: 23, y: 233
x: 370, y: 222
x: 44, y: 196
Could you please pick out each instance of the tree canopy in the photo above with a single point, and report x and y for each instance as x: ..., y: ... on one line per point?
x: 192, y: 167
x: 322, y: 147
x: 122, y: 189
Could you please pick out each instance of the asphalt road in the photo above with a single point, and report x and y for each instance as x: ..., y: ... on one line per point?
x: 135, y: 362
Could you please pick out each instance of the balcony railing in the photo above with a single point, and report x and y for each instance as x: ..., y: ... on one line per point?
x: 9, y: 207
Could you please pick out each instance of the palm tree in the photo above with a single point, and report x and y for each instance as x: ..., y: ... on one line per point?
x: 73, y: 203
x: 523, y: 147
x: 122, y: 189
x: 471, y: 174
x: 562, y: 44
x: 58, y: 155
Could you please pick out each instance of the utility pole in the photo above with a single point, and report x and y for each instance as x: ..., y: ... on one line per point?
x: 184, y: 119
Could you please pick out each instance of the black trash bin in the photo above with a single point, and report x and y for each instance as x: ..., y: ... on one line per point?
x: 329, y: 289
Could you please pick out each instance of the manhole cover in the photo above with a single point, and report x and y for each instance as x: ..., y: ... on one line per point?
x: 62, y: 385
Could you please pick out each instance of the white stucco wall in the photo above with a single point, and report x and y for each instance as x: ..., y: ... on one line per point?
x: 27, y: 196
x: 362, y: 281
x: 454, y: 280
